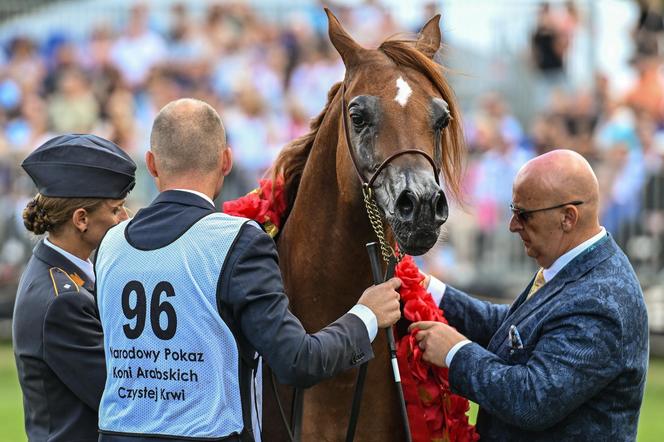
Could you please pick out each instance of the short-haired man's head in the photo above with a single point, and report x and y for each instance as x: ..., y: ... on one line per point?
x: 187, y: 136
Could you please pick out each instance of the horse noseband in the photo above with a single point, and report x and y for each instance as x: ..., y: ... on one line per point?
x: 386, y: 161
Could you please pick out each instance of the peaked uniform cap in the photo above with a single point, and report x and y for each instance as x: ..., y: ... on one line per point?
x: 81, y: 166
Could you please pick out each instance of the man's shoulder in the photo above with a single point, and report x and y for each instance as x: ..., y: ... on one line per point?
x: 250, y: 235
x: 614, y: 272
x: 610, y: 288
x: 602, y: 263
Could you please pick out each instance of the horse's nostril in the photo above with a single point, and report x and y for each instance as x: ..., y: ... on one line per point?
x: 406, y: 204
x: 442, y: 210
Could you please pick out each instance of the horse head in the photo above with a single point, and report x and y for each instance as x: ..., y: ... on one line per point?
x: 402, y: 127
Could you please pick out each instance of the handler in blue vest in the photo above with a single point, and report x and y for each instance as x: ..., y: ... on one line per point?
x: 82, y: 181
x: 190, y: 297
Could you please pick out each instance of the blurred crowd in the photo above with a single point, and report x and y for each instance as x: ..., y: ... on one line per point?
x: 268, y: 77
x: 620, y: 133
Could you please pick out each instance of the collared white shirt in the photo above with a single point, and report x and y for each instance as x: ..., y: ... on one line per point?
x: 195, y: 192
x: 437, y: 288
x: 565, y: 259
x: 83, y: 264
x: 361, y: 311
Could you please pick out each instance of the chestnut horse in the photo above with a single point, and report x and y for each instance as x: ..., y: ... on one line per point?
x: 397, y: 99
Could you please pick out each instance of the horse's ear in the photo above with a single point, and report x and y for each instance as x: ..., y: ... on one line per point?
x: 428, y: 41
x: 345, y: 45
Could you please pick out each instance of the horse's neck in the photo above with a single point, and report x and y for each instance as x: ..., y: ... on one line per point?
x: 322, y: 246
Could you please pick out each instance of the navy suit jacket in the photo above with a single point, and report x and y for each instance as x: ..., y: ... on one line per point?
x: 581, y: 369
x: 252, y: 300
x: 59, y: 349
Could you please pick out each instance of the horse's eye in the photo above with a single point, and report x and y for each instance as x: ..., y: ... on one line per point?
x: 443, y: 121
x: 358, y: 120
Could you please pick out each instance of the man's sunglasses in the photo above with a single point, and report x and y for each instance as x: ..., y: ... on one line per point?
x: 524, y: 215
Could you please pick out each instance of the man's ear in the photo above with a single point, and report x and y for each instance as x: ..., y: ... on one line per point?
x: 80, y: 219
x: 570, y: 218
x: 227, y: 161
x: 150, y: 163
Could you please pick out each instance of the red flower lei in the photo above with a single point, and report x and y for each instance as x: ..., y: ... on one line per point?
x: 434, y: 413
x: 264, y: 205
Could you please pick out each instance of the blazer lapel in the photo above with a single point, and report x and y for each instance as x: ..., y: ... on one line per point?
x: 579, y: 266
x: 520, y: 299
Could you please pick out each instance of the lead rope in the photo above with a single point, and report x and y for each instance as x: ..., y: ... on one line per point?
x: 376, y: 221
x: 391, y: 259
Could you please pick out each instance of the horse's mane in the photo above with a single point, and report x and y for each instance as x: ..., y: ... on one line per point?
x: 291, y: 161
x: 293, y: 157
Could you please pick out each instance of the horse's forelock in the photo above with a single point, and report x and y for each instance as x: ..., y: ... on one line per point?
x: 404, y: 53
x: 293, y: 157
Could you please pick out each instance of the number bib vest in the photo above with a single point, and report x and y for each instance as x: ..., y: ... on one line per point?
x: 173, y: 364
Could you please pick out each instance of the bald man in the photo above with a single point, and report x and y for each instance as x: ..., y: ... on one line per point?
x: 567, y: 360
x: 190, y: 299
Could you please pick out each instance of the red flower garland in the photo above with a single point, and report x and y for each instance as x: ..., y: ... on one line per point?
x: 264, y: 205
x: 434, y: 413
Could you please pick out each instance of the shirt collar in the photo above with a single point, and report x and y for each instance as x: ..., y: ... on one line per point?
x: 201, y: 194
x: 83, y: 264
x: 565, y: 259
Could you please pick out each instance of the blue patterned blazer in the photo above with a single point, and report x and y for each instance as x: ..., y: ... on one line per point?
x: 577, y: 369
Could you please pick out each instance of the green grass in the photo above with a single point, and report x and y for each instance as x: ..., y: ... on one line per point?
x: 651, y: 423
x: 11, y: 406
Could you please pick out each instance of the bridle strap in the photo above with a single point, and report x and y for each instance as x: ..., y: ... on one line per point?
x: 398, y: 154
x: 369, y: 183
x: 344, y: 117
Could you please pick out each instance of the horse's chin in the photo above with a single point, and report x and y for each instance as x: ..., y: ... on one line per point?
x: 415, y: 241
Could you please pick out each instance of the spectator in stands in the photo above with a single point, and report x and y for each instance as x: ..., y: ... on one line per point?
x: 623, y: 171
x: 25, y: 65
x: 547, y: 43
x: 73, y: 108
x: 649, y: 28
x: 647, y: 93
x: 136, y: 52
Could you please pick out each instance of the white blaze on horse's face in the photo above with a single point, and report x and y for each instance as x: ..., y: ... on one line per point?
x: 403, y: 92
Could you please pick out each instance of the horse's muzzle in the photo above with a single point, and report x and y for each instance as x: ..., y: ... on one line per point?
x: 417, y: 219
x: 430, y: 209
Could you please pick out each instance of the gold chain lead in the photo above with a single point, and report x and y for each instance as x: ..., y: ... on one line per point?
x: 377, y: 224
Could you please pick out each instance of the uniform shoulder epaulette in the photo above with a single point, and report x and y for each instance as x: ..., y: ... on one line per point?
x: 62, y: 282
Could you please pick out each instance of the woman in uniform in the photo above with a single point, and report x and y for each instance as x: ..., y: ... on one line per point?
x: 82, y: 182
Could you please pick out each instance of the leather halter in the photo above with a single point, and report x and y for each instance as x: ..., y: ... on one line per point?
x: 369, y: 183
